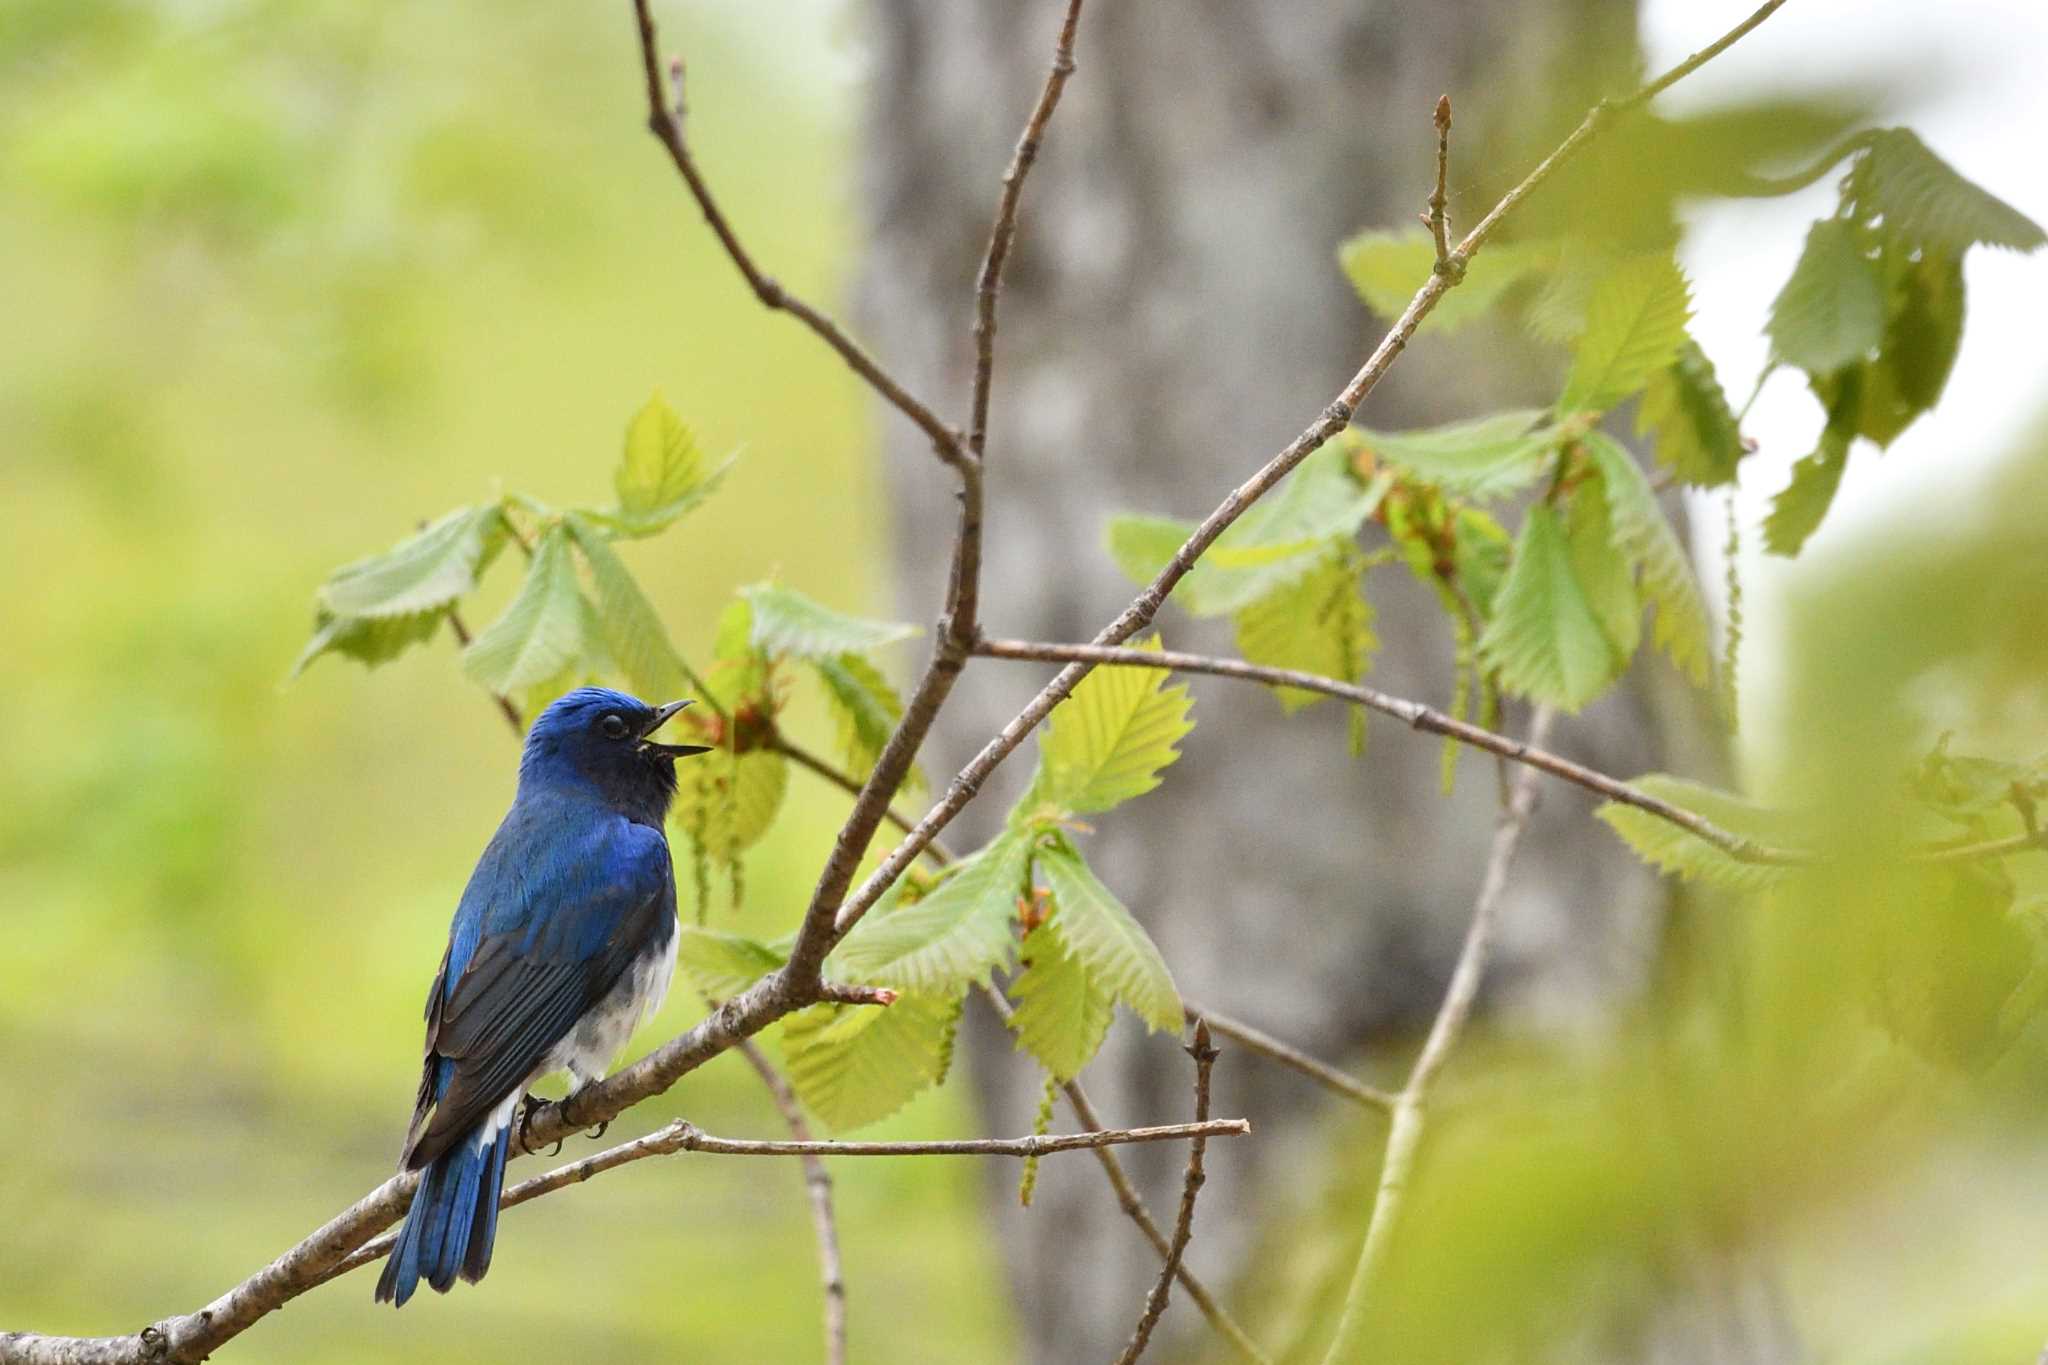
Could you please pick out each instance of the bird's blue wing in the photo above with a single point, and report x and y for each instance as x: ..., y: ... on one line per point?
x: 560, y: 907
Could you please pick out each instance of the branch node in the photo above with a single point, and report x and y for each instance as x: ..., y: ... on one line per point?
x: 840, y: 993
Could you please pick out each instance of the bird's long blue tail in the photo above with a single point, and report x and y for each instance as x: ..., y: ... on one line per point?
x: 453, y: 1221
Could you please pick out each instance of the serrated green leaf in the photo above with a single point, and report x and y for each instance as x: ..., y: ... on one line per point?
x: 1110, y: 740
x: 633, y: 631
x: 787, y: 622
x: 1061, y: 1018
x: 1797, y: 511
x: 1679, y: 853
x: 541, y: 632
x: 1697, y: 436
x: 1278, y: 540
x: 1605, y: 572
x: 1635, y: 320
x: 422, y: 572
x: 1486, y: 457
x: 1320, y: 623
x: 1386, y: 268
x: 1108, y: 941
x: 854, y: 1064
x: 725, y: 802
x: 1683, y: 629
x: 953, y: 937
x: 662, y: 474
x: 721, y: 965
x: 1545, y: 641
x: 865, y: 706
x: 1831, y: 311
x: 1922, y: 202
x: 370, y: 641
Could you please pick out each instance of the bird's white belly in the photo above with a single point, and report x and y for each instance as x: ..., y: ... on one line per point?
x: 590, y: 1046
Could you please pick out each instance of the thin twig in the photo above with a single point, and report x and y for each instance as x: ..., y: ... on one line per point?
x: 664, y: 123
x: 1184, y: 1225
x: 1397, y: 1165
x: 809, y: 761
x: 818, y: 1188
x: 1271, y: 1048
x: 1439, y: 199
x: 1417, y: 715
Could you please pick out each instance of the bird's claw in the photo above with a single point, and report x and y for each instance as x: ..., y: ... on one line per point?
x: 529, y: 1104
x: 598, y: 1131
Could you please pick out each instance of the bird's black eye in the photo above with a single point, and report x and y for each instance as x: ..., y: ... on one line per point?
x: 614, y: 726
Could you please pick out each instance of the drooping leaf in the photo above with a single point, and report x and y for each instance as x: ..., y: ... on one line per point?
x: 1797, y: 511
x: 633, y: 630
x: 1386, y: 268
x: 951, y: 938
x: 1922, y: 202
x: 1923, y: 331
x: 1109, y: 942
x: 368, y: 640
x: 1545, y: 640
x: 1061, y: 1017
x: 865, y: 706
x: 1697, y: 436
x: 1681, y: 853
x: 1486, y: 457
x: 854, y: 1064
x: 422, y: 572
x: 725, y: 802
x: 541, y: 633
x: 1604, y: 570
x: 787, y: 622
x: 662, y: 474
x: 1321, y: 623
x: 1481, y: 553
x: 1831, y: 311
x: 721, y: 965
x: 1110, y: 740
x: 1683, y: 629
x: 1635, y: 321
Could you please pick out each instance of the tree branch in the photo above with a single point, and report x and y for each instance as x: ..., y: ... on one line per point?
x: 1271, y: 1048
x: 818, y: 1188
x: 1439, y: 198
x: 1184, y: 1225
x: 1410, y: 1105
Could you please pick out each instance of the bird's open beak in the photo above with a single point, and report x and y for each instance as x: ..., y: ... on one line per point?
x: 661, y: 717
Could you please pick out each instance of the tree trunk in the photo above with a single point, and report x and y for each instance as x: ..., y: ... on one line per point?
x: 1173, y: 315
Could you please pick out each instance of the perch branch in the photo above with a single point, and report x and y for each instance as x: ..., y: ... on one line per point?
x: 1184, y: 1225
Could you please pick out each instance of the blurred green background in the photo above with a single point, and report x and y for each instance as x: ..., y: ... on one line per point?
x: 280, y: 280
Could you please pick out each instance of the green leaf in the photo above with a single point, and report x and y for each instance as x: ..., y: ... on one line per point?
x: 1680, y: 853
x: 1110, y: 740
x: 632, y: 628
x: 1603, y: 569
x: 369, y: 640
x: 726, y: 802
x: 1683, y: 629
x: 1922, y: 202
x: 1797, y: 511
x: 1545, y: 640
x: 1277, y: 541
x: 1109, y: 942
x: 1320, y: 623
x: 1635, y: 321
x: 953, y: 937
x: 865, y: 705
x: 1061, y: 1018
x: 722, y: 965
x: 1923, y: 331
x: 1486, y: 457
x: 1386, y: 268
x: 854, y: 1064
x: 541, y: 633
x: 1698, y: 438
x: 1831, y: 312
x: 662, y: 474
x: 421, y: 572
x: 787, y: 622
x: 1481, y: 552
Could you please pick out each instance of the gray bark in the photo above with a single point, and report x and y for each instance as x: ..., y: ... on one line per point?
x: 1173, y: 315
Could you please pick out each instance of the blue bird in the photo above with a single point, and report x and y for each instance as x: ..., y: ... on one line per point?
x: 564, y: 941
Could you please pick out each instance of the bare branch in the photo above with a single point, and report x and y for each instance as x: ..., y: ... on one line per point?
x: 1410, y: 1105
x: 1184, y: 1225
x: 1439, y: 199
x: 1416, y: 715
x: 666, y: 124
x: 1265, y: 1045
x: 818, y: 1187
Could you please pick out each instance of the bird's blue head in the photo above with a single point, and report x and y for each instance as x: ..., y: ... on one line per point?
x: 602, y: 741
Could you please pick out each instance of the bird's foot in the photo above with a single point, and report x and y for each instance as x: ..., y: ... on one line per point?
x: 529, y: 1105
